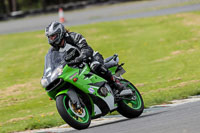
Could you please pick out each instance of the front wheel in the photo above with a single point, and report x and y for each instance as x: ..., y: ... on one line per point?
x: 78, y: 119
x: 131, y: 108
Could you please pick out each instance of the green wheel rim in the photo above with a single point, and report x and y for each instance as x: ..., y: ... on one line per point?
x: 135, y: 104
x: 83, y: 119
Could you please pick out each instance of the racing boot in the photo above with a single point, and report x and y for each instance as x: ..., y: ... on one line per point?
x: 120, y: 89
x: 102, y: 71
x: 115, y: 82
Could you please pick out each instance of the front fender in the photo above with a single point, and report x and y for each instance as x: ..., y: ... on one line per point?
x: 62, y: 92
x: 71, y: 93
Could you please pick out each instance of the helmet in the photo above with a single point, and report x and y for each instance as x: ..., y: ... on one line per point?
x: 55, y: 33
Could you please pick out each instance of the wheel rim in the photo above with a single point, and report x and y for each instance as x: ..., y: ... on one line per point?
x: 135, y: 104
x: 79, y: 117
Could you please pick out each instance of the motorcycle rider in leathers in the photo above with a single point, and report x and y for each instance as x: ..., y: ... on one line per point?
x: 77, y: 50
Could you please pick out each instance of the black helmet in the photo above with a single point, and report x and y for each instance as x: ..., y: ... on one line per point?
x: 55, y: 33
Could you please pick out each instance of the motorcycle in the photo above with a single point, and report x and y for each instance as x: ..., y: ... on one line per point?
x: 81, y: 95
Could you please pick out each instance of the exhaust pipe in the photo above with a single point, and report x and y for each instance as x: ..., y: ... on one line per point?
x: 126, y: 92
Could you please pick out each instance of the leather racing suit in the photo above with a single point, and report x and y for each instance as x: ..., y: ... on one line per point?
x: 76, y: 50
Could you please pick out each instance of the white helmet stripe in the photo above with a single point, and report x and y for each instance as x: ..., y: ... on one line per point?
x: 76, y: 36
x: 51, y: 27
x: 81, y: 40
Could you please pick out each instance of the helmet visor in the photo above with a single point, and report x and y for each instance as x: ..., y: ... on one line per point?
x: 52, y: 38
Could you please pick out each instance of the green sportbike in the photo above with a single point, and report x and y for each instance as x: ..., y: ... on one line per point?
x: 81, y: 95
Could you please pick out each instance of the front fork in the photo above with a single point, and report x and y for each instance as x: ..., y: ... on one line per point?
x: 72, y: 96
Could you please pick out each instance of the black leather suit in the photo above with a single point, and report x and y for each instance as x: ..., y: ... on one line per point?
x: 76, y: 49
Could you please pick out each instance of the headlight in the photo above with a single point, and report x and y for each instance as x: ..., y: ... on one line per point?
x: 44, y: 82
x: 57, y: 72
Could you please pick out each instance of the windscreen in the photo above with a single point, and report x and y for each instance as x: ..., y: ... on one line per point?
x: 52, y: 60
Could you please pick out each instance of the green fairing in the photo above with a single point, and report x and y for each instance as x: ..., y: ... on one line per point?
x: 53, y: 94
x: 83, y: 82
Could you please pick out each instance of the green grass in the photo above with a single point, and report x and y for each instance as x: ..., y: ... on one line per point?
x: 160, y: 54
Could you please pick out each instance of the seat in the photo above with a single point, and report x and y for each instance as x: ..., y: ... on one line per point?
x: 111, y: 61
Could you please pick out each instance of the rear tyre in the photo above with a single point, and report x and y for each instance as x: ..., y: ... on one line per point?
x: 78, y: 119
x: 131, y: 108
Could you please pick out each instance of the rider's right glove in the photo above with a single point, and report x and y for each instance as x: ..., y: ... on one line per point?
x: 77, y: 60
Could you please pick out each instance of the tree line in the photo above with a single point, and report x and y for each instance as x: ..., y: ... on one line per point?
x: 9, y: 6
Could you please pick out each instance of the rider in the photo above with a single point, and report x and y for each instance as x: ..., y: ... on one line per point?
x: 76, y: 50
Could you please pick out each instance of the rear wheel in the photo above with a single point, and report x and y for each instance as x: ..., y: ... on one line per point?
x: 76, y: 118
x: 134, y: 107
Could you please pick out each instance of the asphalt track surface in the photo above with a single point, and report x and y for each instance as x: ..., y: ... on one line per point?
x: 102, y: 13
x: 180, y: 119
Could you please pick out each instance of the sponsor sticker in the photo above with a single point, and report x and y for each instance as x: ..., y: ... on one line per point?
x: 91, y: 90
x: 71, y: 77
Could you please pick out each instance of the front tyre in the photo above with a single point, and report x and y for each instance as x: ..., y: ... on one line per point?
x: 131, y: 108
x: 78, y: 119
